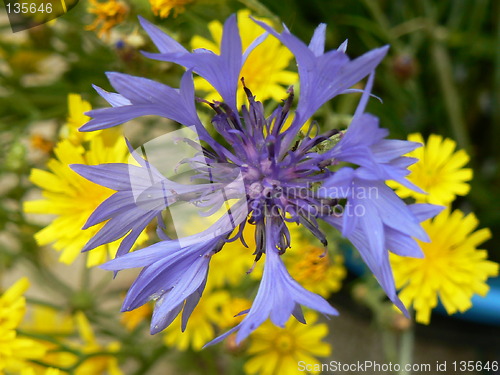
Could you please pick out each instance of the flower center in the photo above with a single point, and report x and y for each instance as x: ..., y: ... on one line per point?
x: 285, y: 343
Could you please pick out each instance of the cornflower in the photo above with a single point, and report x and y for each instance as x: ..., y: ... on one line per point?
x: 260, y: 175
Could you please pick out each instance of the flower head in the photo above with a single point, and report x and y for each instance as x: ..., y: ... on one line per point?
x: 76, y: 118
x: 259, y: 175
x: 439, y: 171
x: 108, y: 14
x: 73, y: 198
x: 162, y: 8
x: 452, y: 268
x: 201, y: 323
x: 100, y: 363
x: 315, y: 269
x: 15, y: 350
x: 276, y: 350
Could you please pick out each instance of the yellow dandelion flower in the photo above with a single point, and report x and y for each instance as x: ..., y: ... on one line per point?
x: 108, y: 14
x: 76, y: 118
x: 15, y: 351
x: 277, y: 351
x: 48, y: 371
x: 47, y: 320
x: 265, y: 68
x: 233, y: 263
x: 73, y: 198
x: 95, y: 364
x: 13, y: 304
x: 228, y: 318
x: 200, y: 328
x: 453, y: 269
x: 439, y: 172
x: 315, y: 269
x: 162, y: 8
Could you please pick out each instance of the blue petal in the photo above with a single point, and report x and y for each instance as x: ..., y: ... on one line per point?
x: 116, y: 100
x: 317, y: 44
x: 162, y: 41
x: 221, y: 71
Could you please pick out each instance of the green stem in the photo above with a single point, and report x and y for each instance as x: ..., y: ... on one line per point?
x: 385, y: 26
x: 85, y: 279
x: 50, y: 365
x: 102, y: 283
x: 40, y: 302
x: 444, y: 69
x: 389, y: 345
x: 406, y: 349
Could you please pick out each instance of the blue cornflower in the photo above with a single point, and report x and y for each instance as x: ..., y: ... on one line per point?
x: 261, y: 175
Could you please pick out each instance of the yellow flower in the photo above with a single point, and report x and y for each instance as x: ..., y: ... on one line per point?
x: 48, y: 371
x: 76, y: 118
x: 108, y: 14
x: 232, y: 263
x: 13, y: 304
x: 265, y: 68
x: 200, y: 328
x: 162, y: 8
x: 15, y: 350
x: 47, y: 320
x: 315, y: 269
x: 96, y: 364
x: 439, y: 171
x: 228, y: 318
x: 73, y: 198
x: 453, y: 268
x: 131, y: 319
x: 277, y: 351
